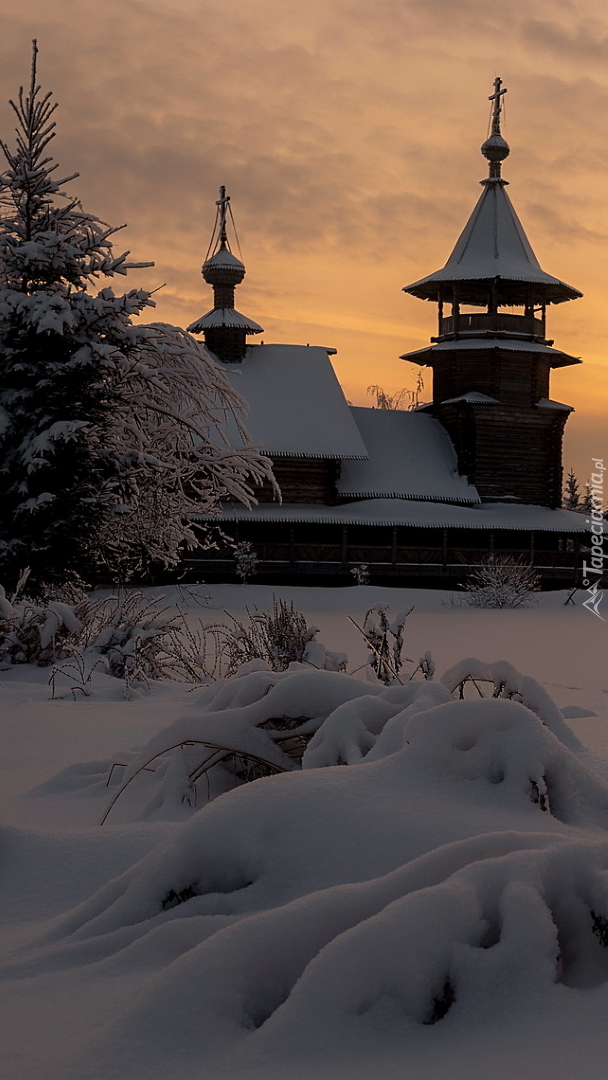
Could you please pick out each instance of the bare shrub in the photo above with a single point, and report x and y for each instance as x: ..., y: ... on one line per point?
x: 385, y: 642
x: 361, y: 574
x: 502, y: 582
x: 133, y: 638
x: 37, y: 632
x: 277, y: 637
x: 245, y: 561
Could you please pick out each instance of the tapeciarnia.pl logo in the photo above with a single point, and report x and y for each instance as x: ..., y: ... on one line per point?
x: 596, y: 528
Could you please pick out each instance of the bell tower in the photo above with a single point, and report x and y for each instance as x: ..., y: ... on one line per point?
x: 224, y: 328
x: 491, y: 358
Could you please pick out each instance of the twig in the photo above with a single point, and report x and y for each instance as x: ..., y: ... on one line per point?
x: 382, y: 659
x: 191, y: 742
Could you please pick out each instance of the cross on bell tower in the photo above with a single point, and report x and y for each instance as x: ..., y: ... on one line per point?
x: 495, y: 148
x: 495, y: 97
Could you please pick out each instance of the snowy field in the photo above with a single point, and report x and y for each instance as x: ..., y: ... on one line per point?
x: 436, y: 908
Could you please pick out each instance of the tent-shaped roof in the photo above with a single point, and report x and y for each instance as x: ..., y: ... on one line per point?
x: 410, y: 457
x: 493, y: 245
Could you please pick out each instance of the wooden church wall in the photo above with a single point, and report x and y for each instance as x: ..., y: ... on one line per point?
x: 508, y: 452
x: 303, y: 480
x: 513, y: 378
x: 519, y: 455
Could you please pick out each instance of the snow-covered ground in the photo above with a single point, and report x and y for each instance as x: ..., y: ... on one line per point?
x: 438, y: 907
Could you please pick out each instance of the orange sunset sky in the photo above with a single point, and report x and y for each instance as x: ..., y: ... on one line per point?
x: 348, y: 134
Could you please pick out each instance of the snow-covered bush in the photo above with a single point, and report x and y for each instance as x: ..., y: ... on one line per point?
x: 264, y: 722
x: 129, y: 636
x: 506, y: 682
x: 277, y: 638
x: 361, y: 574
x: 502, y: 581
x: 245, y: 561
x: 37, y: 633
x: 139, y: 639
x: 110, y: 431
x: 385, y: 640
x: 426, y: 666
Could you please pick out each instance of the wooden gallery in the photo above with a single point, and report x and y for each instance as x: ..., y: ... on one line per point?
x: 423, y: 495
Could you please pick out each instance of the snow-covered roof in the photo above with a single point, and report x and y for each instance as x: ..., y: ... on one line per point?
x: 296, y: 404
x: 224, y: 317
x: 474, y: 396
x: 493, y: 245
x: 410, y: 457
x: 557, y: 358
x: 547, y: 403
x: 430, y: 515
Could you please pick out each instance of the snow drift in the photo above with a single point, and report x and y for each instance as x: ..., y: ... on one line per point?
x: 455, y: 871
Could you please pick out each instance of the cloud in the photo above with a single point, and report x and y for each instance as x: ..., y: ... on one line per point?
x: 348, y: 134
x: 586, y: 41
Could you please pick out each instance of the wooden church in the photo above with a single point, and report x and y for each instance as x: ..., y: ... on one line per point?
x: 419, y: 496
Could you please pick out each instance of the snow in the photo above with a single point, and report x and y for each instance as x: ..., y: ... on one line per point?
x: 475, y: 397
x: 518, y: 516
x: 438, y: 906
x: 296, y: 404
x: 59, y: 615
x: 224, y: 259
x: 410, y: 456
x: 493, y: 245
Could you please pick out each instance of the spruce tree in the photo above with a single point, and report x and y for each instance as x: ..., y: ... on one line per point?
x: 586, y: 504
x: 110, y: 432
x: 571, y: 496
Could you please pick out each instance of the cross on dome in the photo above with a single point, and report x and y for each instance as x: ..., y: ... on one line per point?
x: 220, y: 261
x: 496, y: 149
x: 495, y: 97
x: 222, y: 203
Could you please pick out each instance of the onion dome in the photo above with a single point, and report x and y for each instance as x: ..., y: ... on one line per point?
x: 224, y: 328
x: 496, y: 148
x: 223, y: 268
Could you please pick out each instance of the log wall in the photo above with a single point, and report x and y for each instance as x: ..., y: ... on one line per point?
x: 508, y: 452
x: 303, y: 480
x: 514, y: 378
